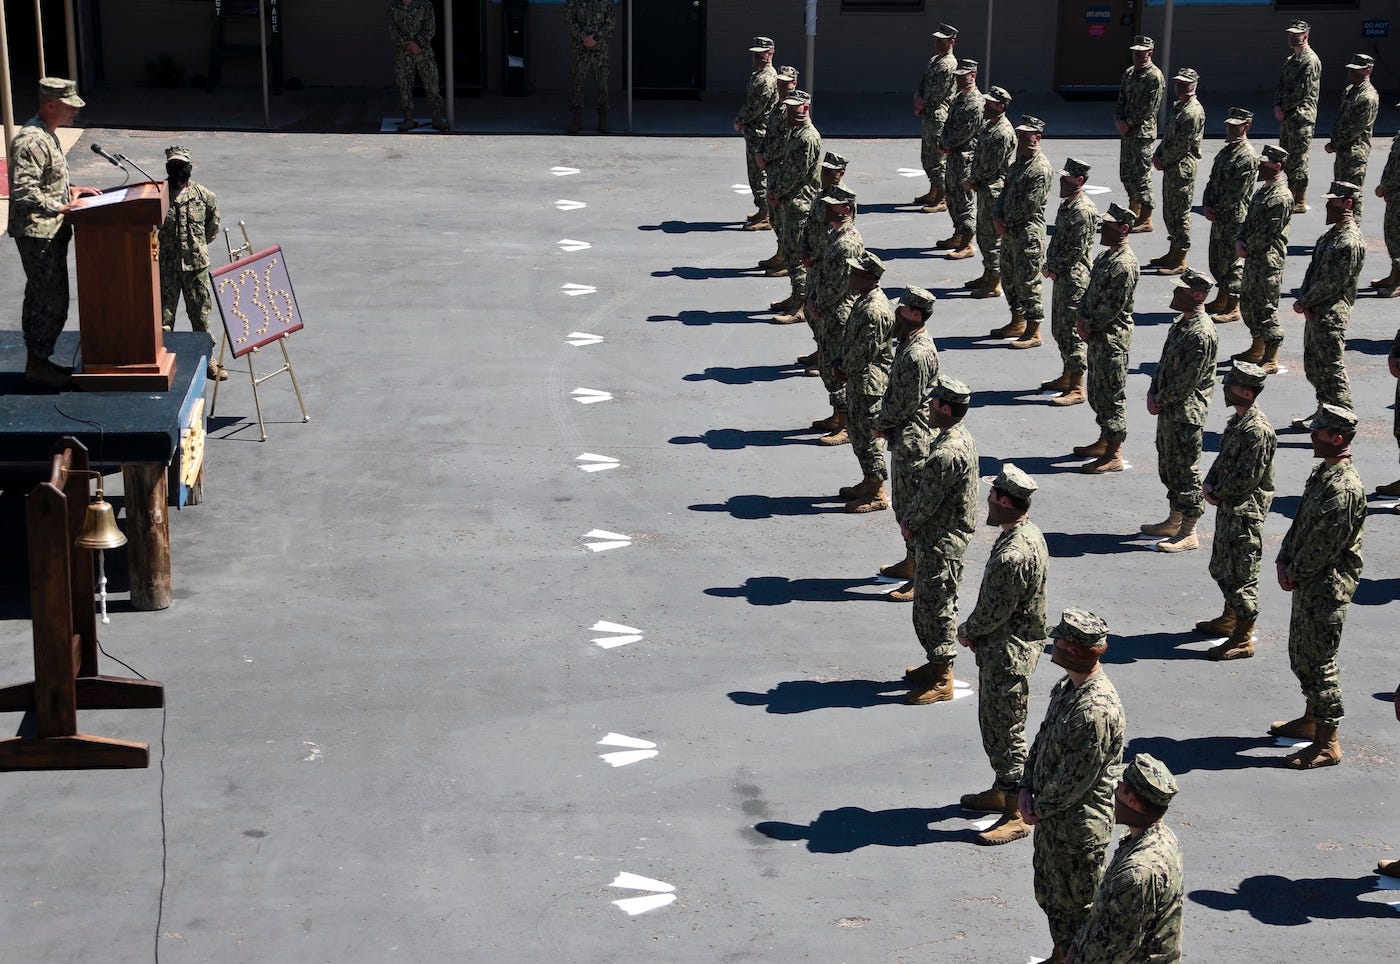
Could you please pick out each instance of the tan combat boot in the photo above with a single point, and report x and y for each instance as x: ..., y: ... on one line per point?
x: 1185, y: 538
x: 1166, y: 527
x: 1303, y: 728
x: 1144, y: 222
x: 1323, y: 751
x: 1135, y: 209
x: 1217, y: 303
x: 877, y: 500
x: 1060, y: 383
x: 937, y: 688
x: 929, y: 197
x: 1030, y: 338
x: 1390, y: 280
x: 1388, y: 868
x: 964, y: 248
x: 838, y: 434
x: 1240, y: 645
x: 790, y: 303
x: 1269, y: 361
x: 861, y: 489
x: 1014, y: 328
x: 988, y: 801
x: 1110, y: 461
x: 1229, y: 312
x: 992, y: 289
x: 1094, y: 450
x: 795, y: 317
x: 764, y: 223
x: 829, y: 424
x: 1074, y: 395
x: 1168, y: 259
x: 1222, y: 625
x: 919, y: 674
x: 1390, y: 489
x: 976, y: 282
x: 938, y: 203
x: 904, y: 594
x: 1254, y: 353
x: 1010, y: 827
x: 1300, y: 200
x: 777, y: 261
x: 904, y: 569
x: 949, y: 243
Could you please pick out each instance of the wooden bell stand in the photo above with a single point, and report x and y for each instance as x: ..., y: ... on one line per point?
x: 65, y: 638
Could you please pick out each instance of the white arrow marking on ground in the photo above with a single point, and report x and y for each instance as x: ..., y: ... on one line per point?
x: 617, y: 739
x: 622, y: 635
x: 588, y: 396
x: 640, y: 905
x: 740, y: 188
x: 611, y: 540
x: 563, y: 171
x: 628, y: 881
x: 569, y: 244
x: 624, y: 758
x: 597, y: 463
x: 1095, y: 189
x: 581, y: 338
x: 564, y: 204
x: 573, y: 289
x: 909, y: 172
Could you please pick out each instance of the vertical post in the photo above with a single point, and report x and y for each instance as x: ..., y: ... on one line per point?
x: 449, y: 48
x: 1166, y: 64
x: 811, y: 67
x: 148, y: 535
x: 50, y: 582
x: 986, y: 72
x: 70, y: 30
x: 39, y: 35
x: 631, y: 128
x: 7, y: 106
x: 262, y: 45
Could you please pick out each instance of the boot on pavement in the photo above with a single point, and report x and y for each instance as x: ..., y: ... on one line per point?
x: 1110, y: 461
x: 937, y: 203
x: 1222, y: 625
x: 1074, y: 395
x: 1217, y: 303
x: 1093, y: 450
x: 777, y: 261
x: 936, y: 688
x: 829, y: 424
x: 930, y: 196
x: 1171, y: 262
x: 1010, y: 827
x: 877, y: 500
x: 1229, y: 312
x: 1390, y: 489
x: 1185, y: 538
x: 1390, y: 280
x: 1303, y: 728
x: 1323, y: 751
x: 988, y: 801
x: 1030, y: 338
x: 1388, y: 868
x: 977, y: 282
x: 1014, y: 328
x: 1144, y: 222
x: 904, y: 569
x: 1300, y: 200
x: 1254, y: 353
x: 1240, y: 645
x: 992, y: 287
x: 795, y: 317
x: 1060, y: 383
x: 439, y: 122
x: 764, y: 223
x: 407, y: 124
x: 838, y: 434
x: 964, y: 248
x: 949, y: 243
x: 789, y: 303
x: 1270, y: 360
x: 904, y: 594
x: 1167, y: 527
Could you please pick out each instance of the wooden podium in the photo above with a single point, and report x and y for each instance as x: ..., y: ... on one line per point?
x: 119, y: 317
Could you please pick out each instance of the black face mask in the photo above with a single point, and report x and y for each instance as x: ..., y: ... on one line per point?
x: 178, y: 171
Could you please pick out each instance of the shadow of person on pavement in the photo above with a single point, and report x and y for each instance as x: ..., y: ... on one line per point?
x: 1284, y: 902
x: 780, y: 590
x: 847, y: 829
x: 805, y: 695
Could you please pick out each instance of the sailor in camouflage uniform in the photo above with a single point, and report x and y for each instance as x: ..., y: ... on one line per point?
x: 1392, y: 489
x: 931, y: 102
x: 1240, y: 484
x: 992, y: 154
x: 1388, y: 190
x: 1067, y: 788
x: 1326, y: 296
x: 773, y: 144
x: 1020, y: 224
x: 1105, y: 323
x: 1006, y: 632
x: 1137, y: 910
x: 1262, y: 241
x: 760, y: 97
x: 1139, y: 101
x: 1319, y: 562
x: 1295, y: 108
x: 829, y: 301
x: 864, y: 370
x: 793, y: 176
x: 1178, y: 157
x: 590, y: 24
x: 957, y: 142
x: 940, y: 518
x: 1351, y: 132
x: 1067, y: 265
x: 412, y: 25
x: 1224, y: 204
x: 190, y: 224
x: 1179, y: 397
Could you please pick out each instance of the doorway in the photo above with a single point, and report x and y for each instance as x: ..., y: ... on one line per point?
x: 668, y: 48
x: 1092, y: 37
x: 468, y: 44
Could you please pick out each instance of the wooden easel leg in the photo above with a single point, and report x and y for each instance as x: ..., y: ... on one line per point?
x: 148, y: 535
x: 214, y: 402
x: 292, y: 372
x: 77, y: 752
x: 17, y: 698
x: 118, y: 693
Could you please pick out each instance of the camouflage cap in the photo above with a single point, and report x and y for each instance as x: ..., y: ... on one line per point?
x: 787, y: 73
x: 1081, y: 627
x: 1238, y: 115
x: 1142, y: 43
x: 1361, y: 62
x: 1299, y: 26
x: 1075, y: 168
x: 1149, y: 778
x: 1117, y: 214
x: 947, y: 389
x: 916, y: 297
x: 1193, y: 279
x: 797, y: 98
x: 966, y: 66
x: 177, y: 153
x: 837, y: 194
x: 868, y: 261
x: 945, y: 32
x: 1013, y: 481
x: 1245, y: 374
x: 1000, y: 95
x: 834, y: 161
x: 1031, y: 125
x: 1273, y: 154
x: 1188, y: 75
x: 1342, y: 189
x: 60, y: 89
x: 1334, y: 418
x: 759, y: 44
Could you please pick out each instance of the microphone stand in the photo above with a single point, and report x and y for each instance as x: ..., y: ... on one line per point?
x: 126, y: 160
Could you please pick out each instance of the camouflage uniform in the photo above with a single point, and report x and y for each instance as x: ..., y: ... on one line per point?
x: 936, y: 88
x: 191, y: 223
x: 793, y: 177
x: 596, y: 19
x: 866, y: 357
x: 414, y: 22
x: 1296, y: 96
x: 759, y: 101
x: 902, y: 415
x: 1242, y: 478
x: 1390, y: 184
x: 1232, y: 175
x: 1183, y: 384
x: 1394, y: 354
x: 959, y: 137
x: 830, y: 293
x: 38, y: 190
x: 1139, y: 101
x: 1322, y: 554
x: 1007, y: 628
x: 1180, y: 156
x: 1328, y: 292
x: 1137, y: 910
x: 1264, y: 232
x: 942, y: 515
x: 1071, y: 771
x: 1021, y: 207
x: 991, y: 156
x: 1351, y: 136
x: 1076, y: 225
x: 1108, y: 306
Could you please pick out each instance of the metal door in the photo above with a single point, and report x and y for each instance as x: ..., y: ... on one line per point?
x: 668, y: 47
x: 1091, y: 51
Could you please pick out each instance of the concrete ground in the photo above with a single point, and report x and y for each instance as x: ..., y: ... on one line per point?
x: 386, y: 708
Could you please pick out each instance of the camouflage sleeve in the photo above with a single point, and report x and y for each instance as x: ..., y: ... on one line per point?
x: 762, y: 94
x: 1185, y: 360
x: 903, y: 396
x: 1327, y: 533
x: 1114, y: 928
x: 1104, y: 302
x: 27, y: 181
x: 799, y: 158
x: 1004, y: 586
x: 1082, y: 765
x: 1264, y: 221
x: 961, y: 128
x: 573, y: 20
x: 1331, y: 276
x: 925, y: 90
x: 211, y: 216
x: 396, y: 31
x: 1074, y: 233
x: 1234, y: 194
x: 1236, y: 481
x: 1031, y: 198
x: 1355, y: 120
x: 929, y: 492
x: 1390, y: 176
x: 607, y: 22
x: 867, y: 339
x: 1120, y: 109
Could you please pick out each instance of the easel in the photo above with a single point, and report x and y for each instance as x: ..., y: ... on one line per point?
x: 245, y: 250
x: 65, y: 638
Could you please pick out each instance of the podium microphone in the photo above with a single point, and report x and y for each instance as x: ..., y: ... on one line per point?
x: 126, y: 160
x: 97, y: 149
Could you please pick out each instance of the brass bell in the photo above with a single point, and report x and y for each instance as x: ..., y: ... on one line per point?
x: 100, y: 527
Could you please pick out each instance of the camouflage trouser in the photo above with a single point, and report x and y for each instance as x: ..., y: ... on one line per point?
x: 1065, y: 295
x: 962, y: 203
x: 1225, y: 265
x: 1135, y: 169
x: 830, y: 334
x: 758, y: 177
x: 861, y: 426
x: 1324, y: 340
x: 1391, y: 227
x: 583, y: 63
x: 1295, y: 137
x: 1179, y: 465
x: 903, y: 480
x: 793, y: 214
x: 1260, y: 284
x: 1068, y: 862
x: 938, y: 569
x: 1003, y: 696
x: 1349, y: 164
x: 199, y: 296
x: 930, y: 157
x: 1234, y: 561
x: 987, y: 240
x: 1314, y: 635
x: 1022, y: 256
x: 45, y: 311
x: 1108, y: 387
x: 425, y: 66
x: 1178, y: 188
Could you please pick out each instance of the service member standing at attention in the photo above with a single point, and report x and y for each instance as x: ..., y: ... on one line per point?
x: 1020, y: 225
x: 931, y: 102
x: 190, y: 224
x: 1388, y: 190
x: 1137, y: 910
x: 864, y: 370
x: 991, y: 156
x: 1178, y: 157
x: 412, y: 25
x: 590, y: 24
x: 792, y: 189
x: 1295, y: 108
x: 1262, y: 241
x: 1240, y: 484
x: 1326, y: 297
x: 39, y: 197
x: 771, y: 150
x: 829, y: 301
x: 760, y: 98
x: 956, y: 143
x: 1139, y: 101
x: 1006, y: 632
x: 1351, y: 132
x: 1225, y: 203
x: 939, y: 519
x: 1067, y: 265
x: 1066, y: 792
x: 1179, y: 397
x: 1319, y: 562
x: 1105, y: 322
